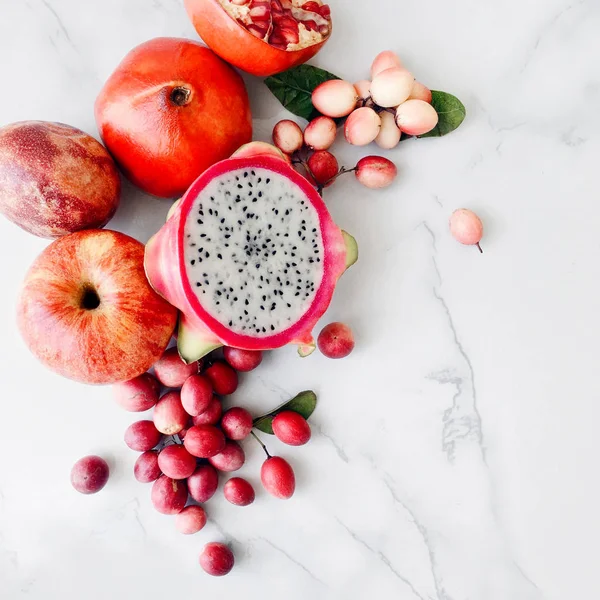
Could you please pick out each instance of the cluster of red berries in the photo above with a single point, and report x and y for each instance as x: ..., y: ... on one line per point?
x: 190, y: 439
x: 308, y: 152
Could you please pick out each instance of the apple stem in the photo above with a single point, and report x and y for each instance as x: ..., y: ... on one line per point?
x: 260, y: 442
x: 479, y: 247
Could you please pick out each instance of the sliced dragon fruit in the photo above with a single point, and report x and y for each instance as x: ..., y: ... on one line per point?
x: 250, y: 256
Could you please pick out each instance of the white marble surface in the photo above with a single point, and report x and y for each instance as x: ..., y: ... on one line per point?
x: 455, y: 454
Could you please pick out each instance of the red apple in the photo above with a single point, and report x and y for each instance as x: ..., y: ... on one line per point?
x: 170, y: 110
x: 87, y: 311
x: 55, y: 179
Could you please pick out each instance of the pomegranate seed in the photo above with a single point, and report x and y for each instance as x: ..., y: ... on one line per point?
x: 325, y: 11
x: 291, y: 36
x: 260, y: 11
x: 312, y: 7
x: 256, y: 31
x: 279, y: 6
x: 286, y: 23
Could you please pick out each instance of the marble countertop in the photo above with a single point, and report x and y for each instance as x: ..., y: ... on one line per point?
x: 455, y: 453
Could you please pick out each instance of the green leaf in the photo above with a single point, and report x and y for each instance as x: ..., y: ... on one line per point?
x: 294, y: 88
x: 451, y: 113
x: 304, y: 403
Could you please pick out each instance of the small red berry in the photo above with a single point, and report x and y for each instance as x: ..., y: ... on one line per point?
x: 168, y: 495
x: 172, y: 371
x: 231, y: 458
x: 242, y: 360
x: 211, y: 415
x: 291, y: 428
x: 238, y: 491
x: 336, y: 340
x: 216, y: 559
x: 190, y: 520
x: 169, y: 415
x: 196, y: 394
x: 320, y: 133
x: 324, y: 167
x: 236, y: 423
x: 138, y: 394
x: 466, y: 227
x: 277, y: 477
x: 146, y: 469
x: 223, y: 378
x: 375, y: 172
x: 142, y: 436
x: 287, y: 136
x: 204, y: 441
x: 176, y: 462
x: 89, y: 474
x: 203, y: 483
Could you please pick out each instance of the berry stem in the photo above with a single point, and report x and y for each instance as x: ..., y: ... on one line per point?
x: 260, y: 442
x: 479, y: 247
x: 379, y: 109
x: 342, y: 171
x: 309, y: 171
x: 320, y: 187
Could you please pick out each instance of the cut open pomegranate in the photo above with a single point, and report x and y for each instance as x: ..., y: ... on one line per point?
x: 284, y: 24
x: 283, y: 33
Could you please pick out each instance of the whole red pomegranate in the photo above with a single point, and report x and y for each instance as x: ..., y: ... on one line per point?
x: 87, y: 311
x: 262, y: 37
x: 170, y: 110
x: 55, y: 179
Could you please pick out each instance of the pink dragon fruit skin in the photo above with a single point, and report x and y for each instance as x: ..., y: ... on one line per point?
x: 172, y: 274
